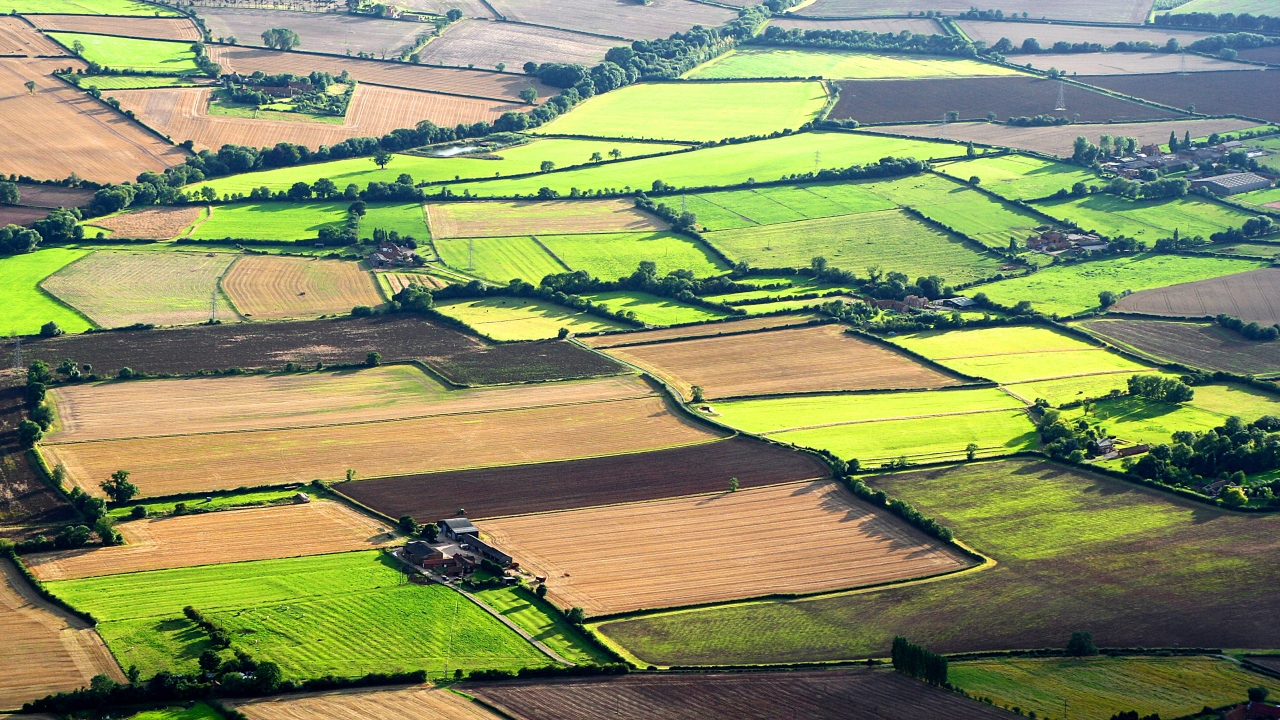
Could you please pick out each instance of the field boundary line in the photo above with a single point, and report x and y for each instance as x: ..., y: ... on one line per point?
x: 1068, y: 377
x: 217, y: 285
x: 359, y: 422
x: 888, y: 419
x: 1018, y: 352
x: 552, y: 253
x: 41, y: 288
x: 809, y: 321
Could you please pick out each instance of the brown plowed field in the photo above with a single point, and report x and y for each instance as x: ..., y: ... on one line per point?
x: 815, y: 359
x: 45, y: 650
x: 158, y: 408
x: 183, y: 114
x: 1107, y: 11
x: 267, y: 287
x: 519, y: 489
x: 874, y: 101
x: 836, y: 694
x: 53, y: 196
x: 1248, y: 93
x: 1252, y: 296
x: 169, y: 28
x: 159, y: 223
x: 1058, y: 140
x: 461, y: 358
x: 486, y: 43
x: 17, y: 38
x: 333, y: 33
x: 503, y: 218
x: 25, y: 500
x: 1047, y: 34
x: 795, y: 538
x: 1129, y: 63
x: 412, y: 703
x: 92, y: 141
x: 228, y: 536
x: 195, y: 463
x: 19, y: 215
x: 916, y: 26
x: 1199, y: 345
x: 693, y: 331
x: 504, y: 87
x: 1269, y: 55
x: 615, y: 18
x: 1271, y: 662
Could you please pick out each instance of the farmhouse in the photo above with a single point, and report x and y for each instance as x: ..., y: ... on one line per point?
x: 468, y: 536
x: 391, y: 255
x: 1233, y: 183
x: 1253, y: 711
x: 425, y: 556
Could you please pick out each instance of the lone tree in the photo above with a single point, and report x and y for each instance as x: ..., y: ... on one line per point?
x: 596, y: 157
x: 1081, y: 644
x: 31, y: 87
x: 77, y: 47
x: 381, y: 158
x: 971, y: 451
x: 615, y: 153
x: 118, y: 488
x: 529, y: 95
x: 1106, y: 299
x: 407, y: 524
x: 733, y: 484
x: 281, y: 39
x: 547, y: 166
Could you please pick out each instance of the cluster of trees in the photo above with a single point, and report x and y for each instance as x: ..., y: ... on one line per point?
x: 9, y: 193
x: 281, y: 39
x: 1160, y: 389
x: 16, y: 239
x: 683, y: 222
x: 1162, y: 188
x: 346, y: 234
x: 1230, y: 451
x: 1063, y: 440
x: 219, y: 638
x: 916, y: 661
x: 1086, y: 153
x: 1233, y: 41
x: 904, y: 42
x: 1251, y: 331
x: 1031, y: 46
x: 1253, y: 227
x: 1040, y: 121
x: 316, y: 101
x: 1225, y: 21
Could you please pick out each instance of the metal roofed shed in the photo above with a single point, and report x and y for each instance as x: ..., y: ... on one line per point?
x: 1233, y: 183
x: 455, y: 528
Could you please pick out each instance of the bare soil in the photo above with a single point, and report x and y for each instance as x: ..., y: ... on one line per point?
x: 169, y: 28
x: 485, y: 43
x: 713, y: 548
x: 400, y: 281
x: 422, y: 702
x: 271, y: 287
x: 1123, y: 11
x: 835, y: 694
x: 1130, y: 63
x: 615, y: 18
x: 515, y: 490
x: 1199, y: 345
x: 333, y: 33
x: 18, y: 38
x: 160, y: 223
x: 19, y: 215
x: 53, y: 196
x: 1269, y: 55
x: 1248, y: 93
x: 1252, y: 296
x: 693, y: 331
x: 814, y: 359
x: 1047, y: 34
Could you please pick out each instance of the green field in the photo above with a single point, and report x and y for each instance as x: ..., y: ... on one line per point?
x: 1263, y: 7
x: 693, y: 111
x: 1019, y: 177
x: 1145, y: 220
x: 345, y: 614
x: 837, y: 65
x: 771, y: 415
x: 211, y: 503
x: 891, y: 239
x: 500, y: 259
x: 198, y: 711
x: 27, y: 307
x: 121, y: 53
x: 988, y: 221
x: 935, y: 344
x: 1021, y: 367
x: 1256, y: 249
x: 515, y: 160
x: 764, y: 160
x: 507, y: 318
x: 1074, y: 288
x: 1259, y: 197
x: 610, y: 256
x: 651, y: 309
x: 927, y: 439
x: 734, y: 209
x: 1138, y: 420
x: 544, y: 623
x: 1099, y: 687
x: 270, y: 220
x: 1066, y: 390
x: 405, y: 218
x: 1242, y: 401
x: 1136, y: 567
x: 129, y: 82
x: 86, y: 7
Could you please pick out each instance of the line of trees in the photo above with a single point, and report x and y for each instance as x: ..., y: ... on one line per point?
x: 1252, y: 330
x: 903, y: 42
x: 919, y: 662
x: 1224, y: 21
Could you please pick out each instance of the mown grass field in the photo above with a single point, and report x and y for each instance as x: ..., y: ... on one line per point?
x: 130, y: 82
x: 27, y: 307
x: 988, y: 221
x: 199, y: 711
x: 345, y: 614
x: 1146, y: 220
x: 614, y: 255
x: 211, y: 503
x: 1242, y: 401
x: 693, y: 111
x: 891, y: 239
x: 927, y: 439
x: 1070, y: 289
x: 936, y: 344
x: 837, y: 65
x: 504, y: 318
x: 270, y: 221
x: 1103, y: 686
x: 734, y: 209
x: 1021, y: 367
x: 405, y: 218
x: 1064, y: 390
x: 545, y: 623
x: 500, y: 259
x: 651, y: 309
x: 88, y: 7
x: 524, y: 158
x: 1019, y: 177
x: 770, y: 415
x: 1074, y: 551
x: 121, y: 53
x: 762, y: 161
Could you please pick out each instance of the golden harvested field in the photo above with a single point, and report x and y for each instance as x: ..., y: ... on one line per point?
x: 227, y: 536
x: 693, y: 331
x: 44, y: 649
x: 267, y: 287
x: 812, y: 359
x: 398, y: 281
x: 17, y: 38
x: 92, y: 141
x: 182, y: 114
x: 116, y: 289
x: 167, y: 28
x: 159, y: 408
x: 421, y: 702
x: 503, y: 87
x: 795, y: 538
x: 506, y: 218
x: 485, y: 44
x: 158, y: 223
x: 195, y: 463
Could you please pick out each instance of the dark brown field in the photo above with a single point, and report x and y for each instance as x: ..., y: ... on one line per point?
x: 1196, y: 344
x: 26, y: 502
x: 1249, y: 93
x: 1119, y: 11
x: 1252, y: 296
x: 461, y: 358
x: 874, y: 101
x: 838, y: 694
x: 52, y: 196
x: 514, y: 490
x: 19, y: 215
x: 615, y: 18
x: 1269, y: 55
x: 1271, y: 662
